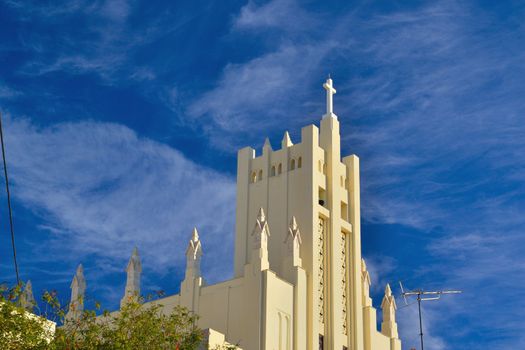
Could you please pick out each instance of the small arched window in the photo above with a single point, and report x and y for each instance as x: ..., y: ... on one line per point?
x: 292, y: 164
x: 273, y: 171
x: 254, y: 177
x: 299, y: 162
x: 260, y: 175
x: 280, y: 168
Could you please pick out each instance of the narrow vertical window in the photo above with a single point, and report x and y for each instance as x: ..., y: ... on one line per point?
x: 344, y: 211
x: 260, y: 175
x: 292, y: 164
x: 254, y: 177
x: 322, y: 196
x: 273, y: 171
x: 299, y: 162
x: 280, y: 168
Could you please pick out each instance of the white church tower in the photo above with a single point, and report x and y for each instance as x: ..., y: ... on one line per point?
x: 299, y: 279
x: 309, y: 184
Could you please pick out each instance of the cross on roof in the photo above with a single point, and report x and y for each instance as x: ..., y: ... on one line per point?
x: 330, y: 91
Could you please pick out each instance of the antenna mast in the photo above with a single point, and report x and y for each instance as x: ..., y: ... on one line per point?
x: 433, y: 295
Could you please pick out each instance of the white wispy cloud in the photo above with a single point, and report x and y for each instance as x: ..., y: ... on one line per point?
x: 443, y: 110
x: 437, y: 118
x: 253, y: 95
x: 101, y: 190
x: 430, y: 98
x: 408, y: 324
x: 273, y: 14
x: 7, y: 93
x: 380, y: 266
x: 260, y: 89
x: 104, y: 45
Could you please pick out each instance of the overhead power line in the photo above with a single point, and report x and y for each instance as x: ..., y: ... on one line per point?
x: 9, y: 201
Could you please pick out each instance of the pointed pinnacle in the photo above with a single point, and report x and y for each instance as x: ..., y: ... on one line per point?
x: 388, y: 291
x: 194, y: 235
x: 135, y: 252
x: 28, y: 285
x: 80, y: 269
x: 293, y: 223
x: 287, y: 141
x: 293, y: 231
x: 261, y: 217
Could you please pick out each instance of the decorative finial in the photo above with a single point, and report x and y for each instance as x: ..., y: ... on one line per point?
x: 261, y: 218
x: 260, y: 234
x: 134, y: 263
x: 133, y: 270
x: 195, y: 235
x: 294, y: 234
x: 293, y: 240
x: 194, y: 250
x: 267, y: 145
x: 193, y: 256
x: 388, y: 291
x: 261, y: 228
x: 287, y: 141
x: 388, y: 305
x: 27, y: 301
x: 78, y: 290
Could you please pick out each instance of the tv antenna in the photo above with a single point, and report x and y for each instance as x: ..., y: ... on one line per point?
x: 433, y: 295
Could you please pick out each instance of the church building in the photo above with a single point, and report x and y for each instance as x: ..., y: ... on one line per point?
x: 299, y: 279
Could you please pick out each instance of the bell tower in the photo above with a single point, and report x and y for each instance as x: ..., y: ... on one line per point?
x: 309, y: 182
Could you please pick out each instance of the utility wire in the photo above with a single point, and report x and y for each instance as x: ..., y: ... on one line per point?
x: 9, y: 201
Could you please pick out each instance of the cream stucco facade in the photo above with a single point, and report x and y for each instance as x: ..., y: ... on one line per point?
x: 299, y: 279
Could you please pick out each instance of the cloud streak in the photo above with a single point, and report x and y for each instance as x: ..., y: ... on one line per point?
x: 435, y: 112
x: 429, y: 96
x: 101, y: 190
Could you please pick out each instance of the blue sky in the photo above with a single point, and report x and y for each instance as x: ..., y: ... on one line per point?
x: 122, y: 121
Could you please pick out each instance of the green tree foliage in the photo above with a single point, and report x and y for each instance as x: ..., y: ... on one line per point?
x: 135, y: 326
x: 18, y: 328
x: 138, y: 325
